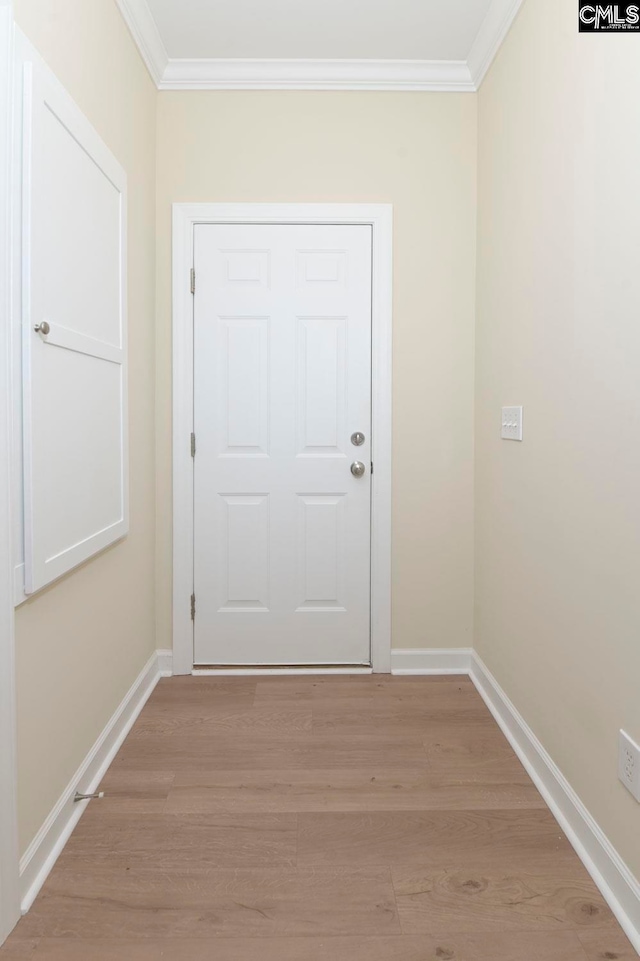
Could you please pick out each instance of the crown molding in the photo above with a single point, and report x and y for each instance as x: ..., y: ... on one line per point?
x: 491, y: 35
x: 408, y: 75
x: 143, y: 28
x: 439, y: 76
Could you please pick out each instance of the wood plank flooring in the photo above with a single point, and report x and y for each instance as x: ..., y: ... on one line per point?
x: 317, y: 819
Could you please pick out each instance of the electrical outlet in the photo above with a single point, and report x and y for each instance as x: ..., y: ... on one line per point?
x: 629, y: 764
x: 512, y: 423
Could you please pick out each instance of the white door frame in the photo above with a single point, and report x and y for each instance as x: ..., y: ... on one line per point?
x: 185, y: 217
x: 9, y: 866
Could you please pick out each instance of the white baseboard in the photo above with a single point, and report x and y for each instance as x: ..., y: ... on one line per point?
x: 455, y: 660
x: 165, y: 663
x: 617, y: 884
x: 45, y: 848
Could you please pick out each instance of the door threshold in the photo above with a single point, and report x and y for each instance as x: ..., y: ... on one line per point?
x: 278, y: 669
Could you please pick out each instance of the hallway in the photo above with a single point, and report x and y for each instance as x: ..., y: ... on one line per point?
x: 351, y: 818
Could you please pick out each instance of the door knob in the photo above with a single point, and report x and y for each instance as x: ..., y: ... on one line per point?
x: 357, y: 468
x: 42, y: 328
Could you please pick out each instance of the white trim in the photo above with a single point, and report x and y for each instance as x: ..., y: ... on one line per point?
x: 19, y: 596
x: 9, y: 884
x: 276, y: 671
x: 165, y: 663
x: 143, y: 29
x: 492, y: 33
x: 182, y: 388
x: 443, y: 76
x: 455, y: 660
x: 380, y: 217
x: 615, y: 881
x: 439, y: 76
x: 45, y: 848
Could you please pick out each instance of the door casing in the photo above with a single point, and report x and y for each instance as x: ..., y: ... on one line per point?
x: 9, y: 863
x: 380, y: 218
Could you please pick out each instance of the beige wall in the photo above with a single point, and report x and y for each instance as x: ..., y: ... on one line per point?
x: 81, y: 643
x: 558, y: 584
x: 417, y: 152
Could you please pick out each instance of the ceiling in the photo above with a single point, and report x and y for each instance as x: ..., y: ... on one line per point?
x: 438, y: 45
x: 319, y: 29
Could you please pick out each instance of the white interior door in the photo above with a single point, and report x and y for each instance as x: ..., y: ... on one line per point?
x: 282, y: 380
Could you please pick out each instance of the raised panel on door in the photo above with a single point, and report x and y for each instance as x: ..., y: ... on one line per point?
x: 244, y: 267
x: 326, y: 267
x: 322, y: 386
x: 243, y: 384
x: 321, y: 552
x: 282, y: 378
x: 244, y: 552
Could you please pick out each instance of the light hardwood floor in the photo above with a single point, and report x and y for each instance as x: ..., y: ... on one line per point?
x: 317, y: 819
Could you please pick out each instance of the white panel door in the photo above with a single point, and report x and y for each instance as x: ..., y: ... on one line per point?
x: 282, y: 379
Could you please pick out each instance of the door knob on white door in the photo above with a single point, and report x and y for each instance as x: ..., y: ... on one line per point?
x: 42, y: 328
x: 357, y: 468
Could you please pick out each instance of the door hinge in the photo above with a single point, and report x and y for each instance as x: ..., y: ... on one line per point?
x: 193, y: 280
x: 193, y: 445
x: 193, y: 607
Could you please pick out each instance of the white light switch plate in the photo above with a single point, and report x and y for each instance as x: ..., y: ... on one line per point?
x: 512, y: 423
x: 629, y: 764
